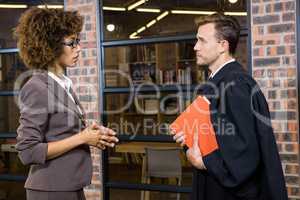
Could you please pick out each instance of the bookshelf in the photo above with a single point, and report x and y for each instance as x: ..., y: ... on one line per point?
x: 161, y: 64
x: 149, y: 77
x: 147, y: 86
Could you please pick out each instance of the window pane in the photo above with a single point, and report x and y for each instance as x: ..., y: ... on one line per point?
x: 158, y: 64
x: 9, y: 114
x: 128, y: 163
x: 12, y: 190
x: 9, y: 18
x: 8, y: 21
x: 127, y: 22
x: 9, y: 160
x: 145, y: 114
x: 11, y: 67
x: 154, y: 64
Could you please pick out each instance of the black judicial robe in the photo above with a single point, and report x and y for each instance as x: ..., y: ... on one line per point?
x: 247, y: 164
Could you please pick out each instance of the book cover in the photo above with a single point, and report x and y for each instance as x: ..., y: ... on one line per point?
x: 196, y: 119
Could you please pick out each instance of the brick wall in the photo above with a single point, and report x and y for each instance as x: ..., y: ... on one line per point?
x: 85, y: 79
x: 275, y: 68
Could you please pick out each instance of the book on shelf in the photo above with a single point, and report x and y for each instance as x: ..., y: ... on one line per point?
x: 167, y: 77
x: 201, y: 75
x: 166, y: 55
x: 185, y: 100
x: 151, y: 106
x: 113, y: 103
x: 180, y: 76
x: 124, y: 74
x: 123, y: 54
x: 145, y: 104
x: 186, y: 50
x: 111, y: 80
x: 138, y: 104
x: 142, y: 53
x: 149, y: 52
x: 184, y: 76
x: 111, y: 77
x: 170, y: 105
x: 142, y: 72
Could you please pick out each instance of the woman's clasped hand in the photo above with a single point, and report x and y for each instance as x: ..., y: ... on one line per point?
x: 99, y: 136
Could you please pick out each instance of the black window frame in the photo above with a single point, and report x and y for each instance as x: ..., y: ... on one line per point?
x: 9, y: 135
x: 11, y: 93
x: 102, y: 44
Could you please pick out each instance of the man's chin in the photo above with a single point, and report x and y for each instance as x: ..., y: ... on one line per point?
x: 200, y: 63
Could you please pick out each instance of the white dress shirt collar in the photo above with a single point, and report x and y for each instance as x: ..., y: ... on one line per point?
x: 64, y: 81
x: 213, y: 74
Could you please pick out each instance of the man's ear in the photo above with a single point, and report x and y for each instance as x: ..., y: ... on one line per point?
x: 224, y: 46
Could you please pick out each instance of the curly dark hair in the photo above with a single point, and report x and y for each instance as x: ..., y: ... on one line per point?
x: 40, y: 34
x: 227, y: 28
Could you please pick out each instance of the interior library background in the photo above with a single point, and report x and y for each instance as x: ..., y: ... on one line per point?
x: 147, y: 46
x: 161, y: 65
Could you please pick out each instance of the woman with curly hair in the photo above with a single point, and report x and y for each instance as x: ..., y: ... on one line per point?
x: 53, y: 137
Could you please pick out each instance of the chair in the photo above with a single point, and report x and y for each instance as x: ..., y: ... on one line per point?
x: 162, y: 163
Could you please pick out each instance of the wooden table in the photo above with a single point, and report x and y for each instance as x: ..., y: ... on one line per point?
x: 140, y: 147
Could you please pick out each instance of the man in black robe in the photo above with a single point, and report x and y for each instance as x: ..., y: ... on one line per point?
x: 246, y: 165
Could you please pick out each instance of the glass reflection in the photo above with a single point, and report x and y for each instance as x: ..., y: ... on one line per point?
x: 153, y: 65
x: 162, y: 18
x: 11, y: 67
x: 9, y: 114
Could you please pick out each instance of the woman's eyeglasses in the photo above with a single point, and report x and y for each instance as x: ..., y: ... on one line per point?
x: 73, y: 43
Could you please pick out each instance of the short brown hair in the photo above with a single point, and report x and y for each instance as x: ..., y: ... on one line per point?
x: 40, y: 34
x: 227, y: 28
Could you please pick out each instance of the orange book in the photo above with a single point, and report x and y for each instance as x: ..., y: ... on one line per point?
x: 196, y: 119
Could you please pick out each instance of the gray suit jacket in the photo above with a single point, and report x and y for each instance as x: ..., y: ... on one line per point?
x: 48, y: 114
